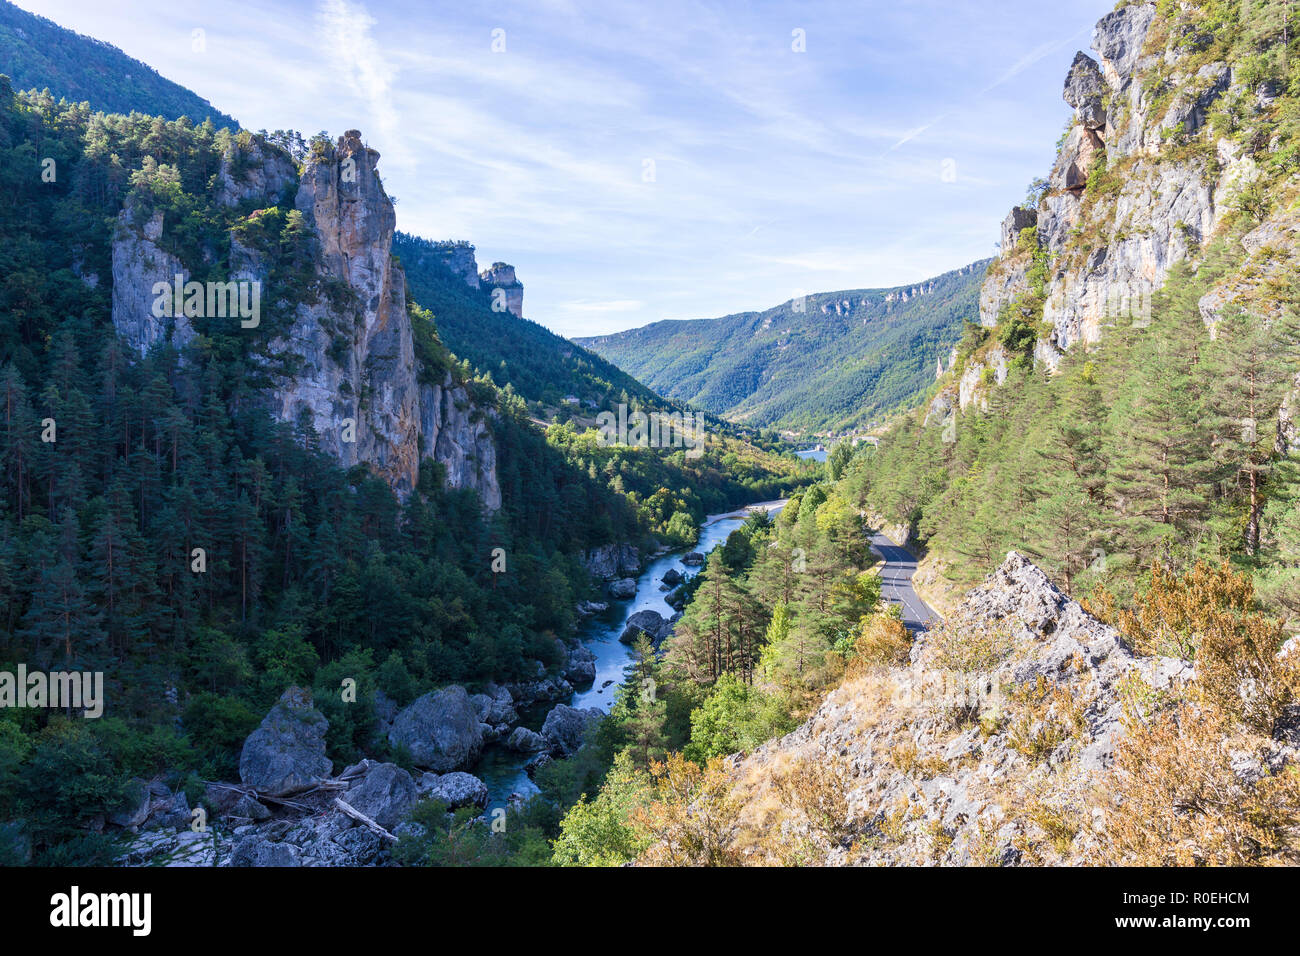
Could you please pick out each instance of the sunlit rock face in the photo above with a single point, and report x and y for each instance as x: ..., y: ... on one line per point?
x: 501, y: 276
x: 353, y: 375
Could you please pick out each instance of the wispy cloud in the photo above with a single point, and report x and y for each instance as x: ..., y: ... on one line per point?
x: 887, y: 152
x: 348, y: 42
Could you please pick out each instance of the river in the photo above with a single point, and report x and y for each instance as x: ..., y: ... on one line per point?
x: 501, y: 769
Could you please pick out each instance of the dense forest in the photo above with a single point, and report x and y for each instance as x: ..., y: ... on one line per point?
x: 826, y: 362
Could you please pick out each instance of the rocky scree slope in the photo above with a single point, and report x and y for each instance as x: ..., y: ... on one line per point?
x: 1002, y: 725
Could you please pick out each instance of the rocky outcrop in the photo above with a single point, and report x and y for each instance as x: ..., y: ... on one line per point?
x: 454, y: 790
x: 458, y: 259
x: 255, y: 173
x: 139, y: 264
x: 1134, y: 107
x: 649, y: 624
x: 507, y: 290
x: 973, y: 385
x: 1084, y: 91
x: 1119, y: 38
x: 1017, y: 220
x: 343, y: 354
x: 440, y: 730
x: 937, y: 756
x: 610, y: 561
x: 286, y: 753
x: 455, y: 433
x: 623, y: 589
x: 566, y: 728
x: 372, y: 383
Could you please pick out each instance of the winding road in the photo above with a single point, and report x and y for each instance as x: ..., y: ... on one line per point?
x: 896, y: 583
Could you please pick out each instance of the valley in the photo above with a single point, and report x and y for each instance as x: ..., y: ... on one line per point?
x: 371, y: 567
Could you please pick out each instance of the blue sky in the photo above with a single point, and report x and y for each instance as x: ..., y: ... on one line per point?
x: 641, y: 161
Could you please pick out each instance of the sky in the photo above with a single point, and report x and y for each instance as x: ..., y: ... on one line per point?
x: 638, y: 161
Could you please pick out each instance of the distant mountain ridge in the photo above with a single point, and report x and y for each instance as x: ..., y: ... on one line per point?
x: 831, y: 361
x: 36, y: 53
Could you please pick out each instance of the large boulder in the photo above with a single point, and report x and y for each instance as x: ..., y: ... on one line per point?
x: 611, y: 561
x: 567, y: 727
x: 648, y: 623
x: 672, y: 577
x: 527, y: 741
x: 623, y: 589
x: 694, y: 559
x: 579, y: 664
x: 286, y: 753
x: 1084, y: 88
x: 386, y: 794
x: 441, y: 730
x: 255, y: 850
x: 496, y: 706
x: 136, y: 808
x: 454, y: 789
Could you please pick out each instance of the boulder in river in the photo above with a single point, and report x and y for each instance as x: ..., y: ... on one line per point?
x: 694, y: 559
x: 623, y: 588
x: 531, y: 692
x: 580, y: 667
x: 676, y: 600
x: 495, y: 706
x: 649, y: 623
x: 454, y: 789
x: 440, y: 730
x: 527, y: 741
x: 567, y: 727
x: 286, y: 753
x: 672, y: 577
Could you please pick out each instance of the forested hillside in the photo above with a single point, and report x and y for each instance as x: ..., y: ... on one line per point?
x: 827, y: 362
x: 37, y: 54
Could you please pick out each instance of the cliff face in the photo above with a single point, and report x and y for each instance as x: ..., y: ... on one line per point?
x: 502, y: 276
x: 1161, y: 148
x: 1142, y: 180
x: 355, y: 378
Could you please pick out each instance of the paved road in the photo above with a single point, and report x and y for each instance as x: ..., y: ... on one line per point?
x: 896, y: 583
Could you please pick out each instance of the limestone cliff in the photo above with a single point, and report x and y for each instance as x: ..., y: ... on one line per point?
x: 1167, y: 138
x: 344, y: 358
x: 501, y: 276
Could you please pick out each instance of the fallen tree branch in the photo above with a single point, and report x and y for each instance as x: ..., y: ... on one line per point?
x: 361, y: 818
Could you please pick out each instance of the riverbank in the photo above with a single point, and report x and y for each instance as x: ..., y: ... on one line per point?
x: 502, y: 770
